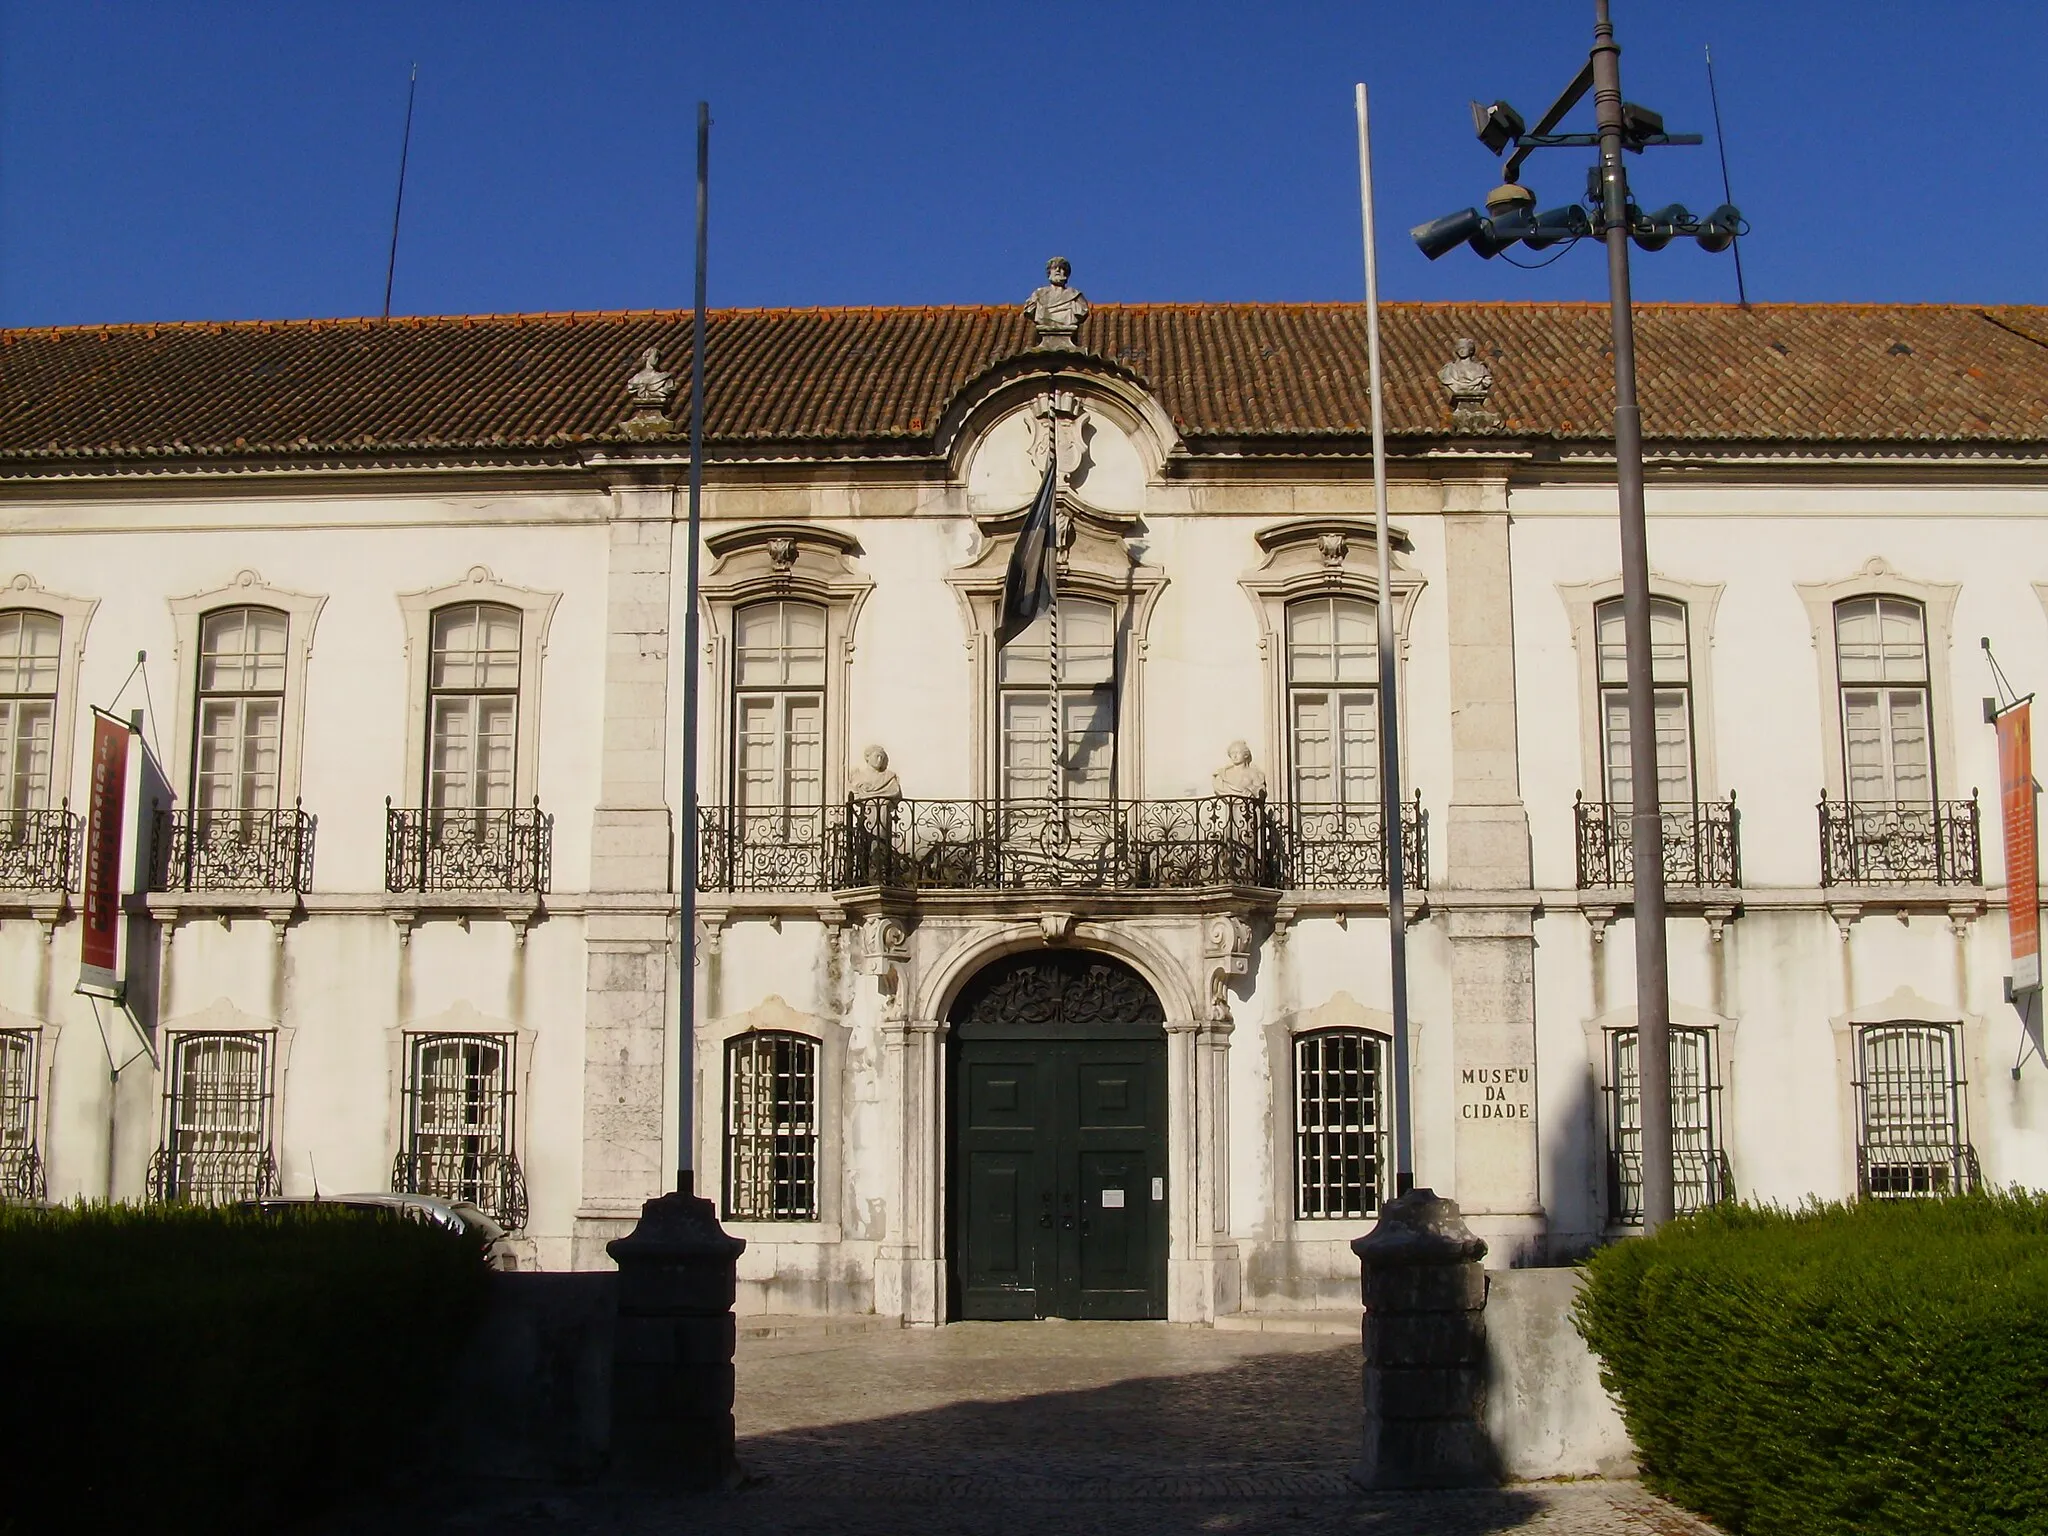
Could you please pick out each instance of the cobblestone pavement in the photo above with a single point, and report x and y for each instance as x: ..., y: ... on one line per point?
x: 1095, y: 1429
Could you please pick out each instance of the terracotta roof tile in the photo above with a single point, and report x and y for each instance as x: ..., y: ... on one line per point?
x: 881, y: 379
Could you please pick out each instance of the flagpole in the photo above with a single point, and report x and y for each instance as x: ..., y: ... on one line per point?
x: 1390, y: 718
x: 686, y: 1031
x: 1052, y: 555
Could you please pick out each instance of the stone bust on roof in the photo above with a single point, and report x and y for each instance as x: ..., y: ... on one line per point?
x: 1056, y: 308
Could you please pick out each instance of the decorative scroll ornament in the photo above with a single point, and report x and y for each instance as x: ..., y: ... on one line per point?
x: 1060, y: 987
x: 1227, y: 946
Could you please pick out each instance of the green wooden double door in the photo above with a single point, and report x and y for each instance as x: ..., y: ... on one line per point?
x: 1058, y: 1174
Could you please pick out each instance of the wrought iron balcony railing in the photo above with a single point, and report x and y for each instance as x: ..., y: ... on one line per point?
x: 1900, y: 842
x: 211, y: 1177
x: 491, y: 1181
x: 21, y: 1175
x: 993, y: 845
x: 40, y: 850
x: 1702, y: 844
x: 206, y: 850
x: 450, y: 850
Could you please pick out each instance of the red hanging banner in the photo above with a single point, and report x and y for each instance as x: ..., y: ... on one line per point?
x: 99, y: 969
x: 2022, y: 849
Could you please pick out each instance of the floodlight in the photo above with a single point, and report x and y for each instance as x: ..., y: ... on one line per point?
x: 1570, y: 222
x: 1653, y: 231
x: 1446, y: 233
x: 1719, y: 228
x: 1498, y: 125
x: 1639, y: 123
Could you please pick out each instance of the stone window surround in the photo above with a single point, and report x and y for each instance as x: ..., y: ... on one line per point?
x: 74, y: 618
x: 459, y: 1018
x: 1721, y: 1034
x: 223, y: 1017
x: 1582, y: 602
x: 790, y: 562
x: 1325, y: 557
x: 247, y: 590
x: 44, y: 1033
x: 1937, y: 601
x: 1340, y: 1012
x: 1097, y: 564
x: 833, y: 1038
x: 536, y: 611
x: 1905, y: 1006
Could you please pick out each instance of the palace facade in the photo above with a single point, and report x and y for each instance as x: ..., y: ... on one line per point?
x: 1055, y: 1005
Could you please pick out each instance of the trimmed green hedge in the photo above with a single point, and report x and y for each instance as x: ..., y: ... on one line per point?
x: 1877, y: 1367
x: 174, y: 1368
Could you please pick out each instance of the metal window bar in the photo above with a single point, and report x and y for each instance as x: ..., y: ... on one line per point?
x: 506, y: 849
x: 1699, y: 1167
x: 41, y: 850
x: 1911, y: 1137
x: 233, y: 850
x: 771, y: 1127
x: 21, y: 1164
x: 216, y: 1147
x: 1702, y: 844
x: 460, y: 1103
x: 1900, y: 842
x: 1340, y: 1124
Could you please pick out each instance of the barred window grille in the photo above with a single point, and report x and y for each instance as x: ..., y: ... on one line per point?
x: 1340, y: 1124
x: 1698, y: 1167
x: 771, y: 1127
x: 459, y: 1122
x: 1911, y: 1137
x: 21, y: 1169
x: 217, y: 1130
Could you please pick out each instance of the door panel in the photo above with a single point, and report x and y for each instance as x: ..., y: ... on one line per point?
x: 1006, y: 1256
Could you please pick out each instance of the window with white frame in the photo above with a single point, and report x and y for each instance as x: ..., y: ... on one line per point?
x: 239, y: 721
x: 1333, y: 701
x: 1341, y: 1129
x: 1082, y: 697
x: 779, y: 715
x: 217, y: 1112
x: 1671, y: 671
x: 1881, y: 663
x: 459, y: 1104
x: 771, y: 1127
x: 1698, y: 1174
x: 1911, y: 1136
x: 21, y: 1167
x: 29, y: 642
x: 472, y: 708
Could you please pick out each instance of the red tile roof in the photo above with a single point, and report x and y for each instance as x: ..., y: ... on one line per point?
x: 880, y: 379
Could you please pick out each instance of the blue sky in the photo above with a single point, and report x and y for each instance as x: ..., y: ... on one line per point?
x: 225, y: 160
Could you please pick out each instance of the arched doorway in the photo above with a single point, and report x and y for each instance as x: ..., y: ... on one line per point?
x: 1057, y: 1146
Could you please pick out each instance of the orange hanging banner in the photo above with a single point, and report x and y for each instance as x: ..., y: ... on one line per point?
x: 2022, y: 848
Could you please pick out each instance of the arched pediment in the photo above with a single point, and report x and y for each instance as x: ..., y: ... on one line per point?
x: 1133, y: 436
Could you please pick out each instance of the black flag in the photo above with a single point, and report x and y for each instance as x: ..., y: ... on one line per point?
x: 1028, y: 583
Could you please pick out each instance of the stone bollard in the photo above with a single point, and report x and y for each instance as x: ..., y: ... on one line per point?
x: 672, y: 1377
x: 1425, y: 1349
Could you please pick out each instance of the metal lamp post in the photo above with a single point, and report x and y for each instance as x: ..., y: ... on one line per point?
x: 1621, y: 125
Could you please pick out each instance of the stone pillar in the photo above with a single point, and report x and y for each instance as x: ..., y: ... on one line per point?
x: 1425, y: 1349
x: 672, y: 1376
x: 1488, y: 898
x: 1202, y: 1272
x: 910, y: 1279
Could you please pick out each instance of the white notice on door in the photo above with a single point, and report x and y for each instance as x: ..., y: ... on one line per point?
x: 1159, y: 1189
x: 1112, y: 1199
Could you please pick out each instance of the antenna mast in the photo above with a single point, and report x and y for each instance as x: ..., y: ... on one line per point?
x: 404, y: 152
x: 1727, y: 196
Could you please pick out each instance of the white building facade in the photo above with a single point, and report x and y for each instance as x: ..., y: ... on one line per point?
x: 1053, y: 1012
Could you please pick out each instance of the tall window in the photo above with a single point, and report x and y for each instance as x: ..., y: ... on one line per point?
x: 1341, y: 1162
x: 1697, y: 1176
x: 217, y: 1121
x: 21, y: 1168
x: 1084, y: 693
x: 28, y: 708
x: 1333, y: 701
x: 458, y: 1124
x: 472, y: 707
x: 771, y: 1127
x: 241, y: 710
x: 1881, y: 659
x: 779, y: 711
x: 1910, y: 1137
x: 1671, y: 671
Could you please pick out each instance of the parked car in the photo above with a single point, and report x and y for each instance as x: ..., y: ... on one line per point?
x: 450, y: 1215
